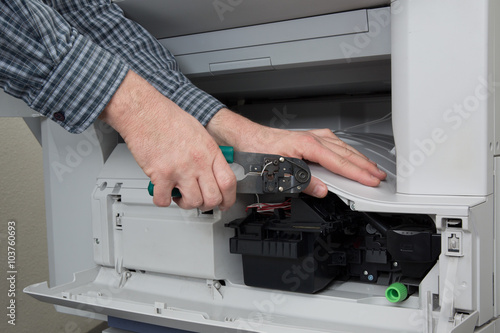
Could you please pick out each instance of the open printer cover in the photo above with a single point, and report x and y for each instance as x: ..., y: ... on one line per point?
x: 410, y: 84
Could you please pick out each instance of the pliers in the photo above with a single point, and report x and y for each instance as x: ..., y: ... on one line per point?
x: 263, y: 173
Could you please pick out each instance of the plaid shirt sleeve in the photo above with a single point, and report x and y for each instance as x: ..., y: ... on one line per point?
x: 105, y: 24
x: 51, y: 66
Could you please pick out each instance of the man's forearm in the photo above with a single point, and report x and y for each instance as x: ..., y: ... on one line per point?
x: 319, y: 146
x: 230, y: 128
x: 104, y: 23
x: 53, y: 68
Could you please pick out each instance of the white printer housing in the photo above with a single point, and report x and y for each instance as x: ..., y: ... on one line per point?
x: 433, y: 64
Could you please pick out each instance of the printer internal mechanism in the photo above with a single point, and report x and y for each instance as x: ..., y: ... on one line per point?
x: 305, y: 243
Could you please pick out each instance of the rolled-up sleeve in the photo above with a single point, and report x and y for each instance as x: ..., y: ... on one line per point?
x: 57, y: 71
x: 105, y: 24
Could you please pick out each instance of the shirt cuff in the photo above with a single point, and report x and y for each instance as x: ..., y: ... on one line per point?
x: 80, y: 86
x: 179, y: 89
x: 195, y: 101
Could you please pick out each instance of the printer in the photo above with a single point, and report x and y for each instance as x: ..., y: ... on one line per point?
x: 412, y: 84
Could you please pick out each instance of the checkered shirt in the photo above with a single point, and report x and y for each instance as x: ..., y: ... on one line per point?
x: 66, y: 58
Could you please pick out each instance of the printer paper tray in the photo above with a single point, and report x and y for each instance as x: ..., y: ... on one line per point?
x: 192, y: 304
x: 385, y: 198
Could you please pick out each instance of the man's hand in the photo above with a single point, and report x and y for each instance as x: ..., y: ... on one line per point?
x: 319, y: 146
x: 171, y: 146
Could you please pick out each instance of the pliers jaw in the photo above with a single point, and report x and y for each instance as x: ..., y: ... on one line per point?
x: 271, y: 174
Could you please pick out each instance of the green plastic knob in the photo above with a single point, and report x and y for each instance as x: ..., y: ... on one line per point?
x: 396, y: 292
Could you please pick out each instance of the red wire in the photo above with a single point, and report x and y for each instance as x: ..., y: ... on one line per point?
x: 270, y: 207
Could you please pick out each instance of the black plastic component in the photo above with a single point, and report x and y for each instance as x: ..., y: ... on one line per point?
x: 414, y: 248
x: 322, y: 240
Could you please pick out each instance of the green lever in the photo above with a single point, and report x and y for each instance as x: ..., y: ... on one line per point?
x: 228, y: 153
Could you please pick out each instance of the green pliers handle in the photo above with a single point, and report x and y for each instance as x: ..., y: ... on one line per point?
x: 228, y: 153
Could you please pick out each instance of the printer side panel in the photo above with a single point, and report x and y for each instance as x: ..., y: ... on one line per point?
x: 71, y: 165
x: 443, y: 94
